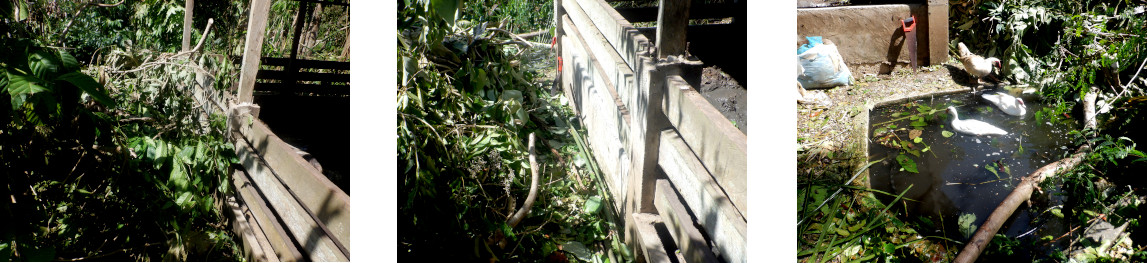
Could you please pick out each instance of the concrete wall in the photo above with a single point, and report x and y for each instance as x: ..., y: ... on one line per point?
x: 872, y: 34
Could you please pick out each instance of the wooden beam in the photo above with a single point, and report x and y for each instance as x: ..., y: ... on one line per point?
x: 672, y: 18
x: 614, y: 67
x: 323, y: 199
x: 256, y: 246
x: 305, y: 89
x: 277, y: 236
x: 698, y: 11
x: 299, y: 223
x: 937, y: 40
x: 305, y: 63
x: 719, y: 145
x: 680, y: 224
x: 600, y: 71
x: 606, y: 129
x: 253, y: 48
x: 652, y: 248
x: 632, y: 45
x: 188, y: 7
x: 302, y: 76
x: 716, y: 214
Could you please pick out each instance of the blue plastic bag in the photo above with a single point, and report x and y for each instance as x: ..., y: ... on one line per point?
x: 823, y: 67
x: 812, y: 42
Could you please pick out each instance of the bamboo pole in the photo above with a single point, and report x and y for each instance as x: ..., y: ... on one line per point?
x: 1023, y: 191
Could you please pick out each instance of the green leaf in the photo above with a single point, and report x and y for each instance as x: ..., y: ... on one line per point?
x: 89, y: 85
x: 24, y: 84
x: 946, y: 134
x: 69, y: 62
x: 917, y: 140
x: 592, y: 205
x: 446, y: 9
x: 907, y: 163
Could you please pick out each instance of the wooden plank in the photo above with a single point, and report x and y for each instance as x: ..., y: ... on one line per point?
x: 300, y: 224
x: 599, y: 111
x: 303, y: 76
x: 322, y: 197
x: 254, y: 248
x: 697, y: 11
x: 613, y: 65
x: 253, y: 48
x: 277, y: 236
x: 619, y: 32
x: 651, y: 247
x: 308, y: 89
x: 305, y: 63
x: 937, y: 29
x: 599, y: 74
x: 717, y: 215
x: 719, y: 145
x: 676, y: 217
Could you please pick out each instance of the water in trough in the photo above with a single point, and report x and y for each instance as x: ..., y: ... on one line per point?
x: 962, y: 174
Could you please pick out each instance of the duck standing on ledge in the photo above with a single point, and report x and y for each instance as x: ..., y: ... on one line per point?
x: 977, y: 66
x: 973, y: 127
x: 1010, y: 105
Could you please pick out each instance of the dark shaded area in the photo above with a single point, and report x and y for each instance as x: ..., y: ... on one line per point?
x: 316, y: 124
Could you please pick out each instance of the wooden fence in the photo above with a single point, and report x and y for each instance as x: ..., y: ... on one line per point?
x: 672, y: 162
x: 283, y: 208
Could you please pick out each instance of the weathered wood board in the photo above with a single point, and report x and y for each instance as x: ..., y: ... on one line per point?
x: 277, y: 236
x: 298, y: 222
x: 624, y: 38
x: 651, y: 244
x: 676, y: 217
x: 329, y: 203
x: 256, y: 246
x: 715, y: 141
x: 614, y: 67
x: 715, y: 213
x: 597, y: 107
x: 672, y: 18
x: 253, y: 48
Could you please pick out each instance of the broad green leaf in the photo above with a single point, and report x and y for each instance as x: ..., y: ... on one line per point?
x: 89, y: 85
x: 907, y: 163
x: 946, y: 134
x: 44, y: 65
x: 184, y: 199
x: 24, y: 84
x: 69, y: 62
x: 446, y: 9
x: 578, y: 249
x: 178, y: 177
x: 592, y: 205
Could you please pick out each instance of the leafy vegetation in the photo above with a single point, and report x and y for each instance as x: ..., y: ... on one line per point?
x: 106, y: 154
x: 467, y: 100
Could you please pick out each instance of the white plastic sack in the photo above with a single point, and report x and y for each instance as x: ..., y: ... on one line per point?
x: 823, y: 68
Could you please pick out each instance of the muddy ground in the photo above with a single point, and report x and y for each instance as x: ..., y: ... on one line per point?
x: 824, y: 135
x: 726, y: 95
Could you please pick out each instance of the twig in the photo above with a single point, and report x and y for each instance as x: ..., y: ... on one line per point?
x: 1132, y: 80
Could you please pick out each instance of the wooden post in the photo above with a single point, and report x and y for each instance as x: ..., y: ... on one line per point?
x: 253, y: 49
x: 672, y: 19
x: 188, y: 6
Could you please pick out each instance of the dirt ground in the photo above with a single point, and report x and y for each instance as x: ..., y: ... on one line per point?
x: 822, y: 133
x: 726, y: 95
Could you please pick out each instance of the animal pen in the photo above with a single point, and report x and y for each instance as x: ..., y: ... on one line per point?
x: 675, y: 167
x: 284, y: 208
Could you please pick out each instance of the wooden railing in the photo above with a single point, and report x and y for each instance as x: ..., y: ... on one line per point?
x: 669, y: 158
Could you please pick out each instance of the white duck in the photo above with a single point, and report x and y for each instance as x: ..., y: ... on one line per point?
x: 977, y: 66
x: 973, y: 127
x: 1010, y: 105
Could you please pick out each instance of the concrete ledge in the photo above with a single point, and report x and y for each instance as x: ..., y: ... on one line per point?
x: 872, y: 34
